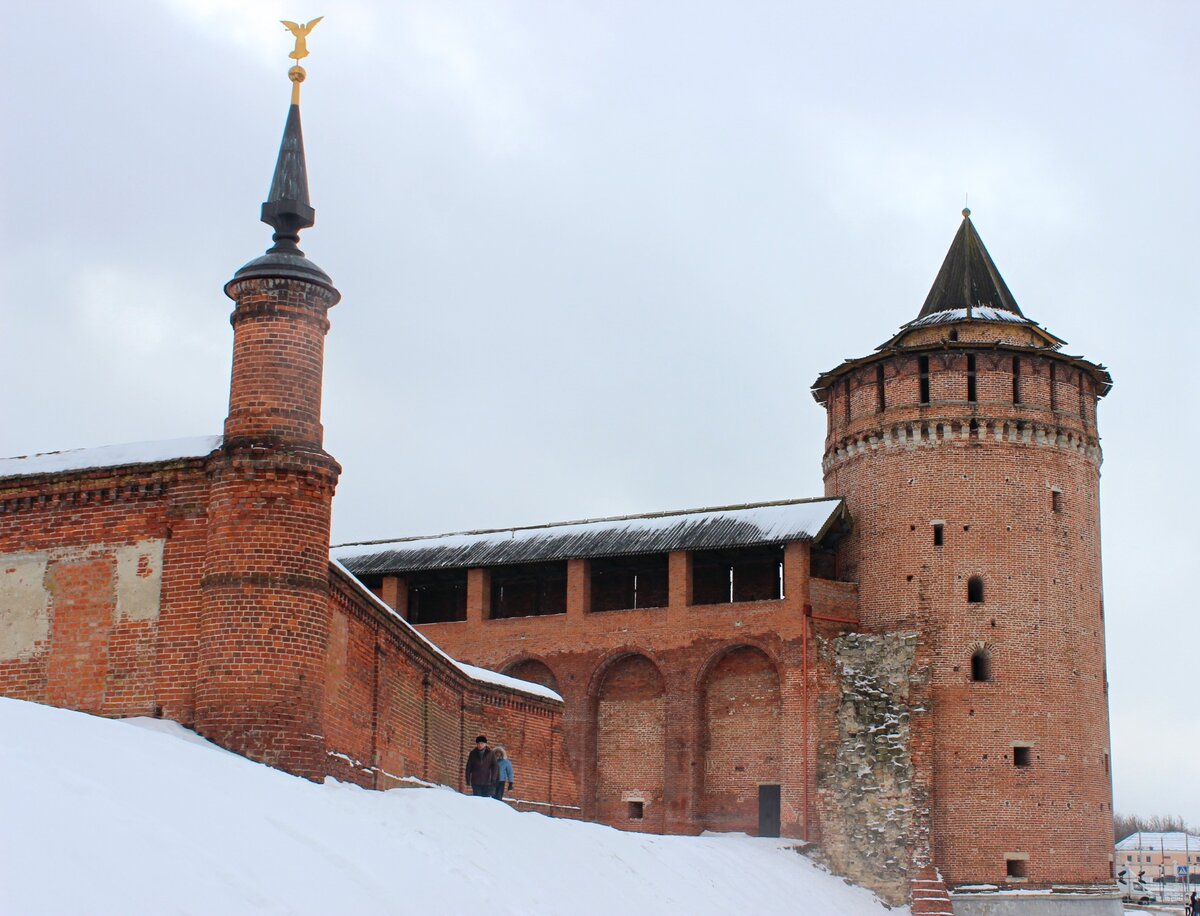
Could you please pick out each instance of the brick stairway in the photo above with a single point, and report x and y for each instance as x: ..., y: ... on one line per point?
x: 929, y: 895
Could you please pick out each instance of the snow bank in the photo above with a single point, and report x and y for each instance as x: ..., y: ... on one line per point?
x: 142, y: 817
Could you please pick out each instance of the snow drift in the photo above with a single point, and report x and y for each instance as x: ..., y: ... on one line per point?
x: 141, y: 816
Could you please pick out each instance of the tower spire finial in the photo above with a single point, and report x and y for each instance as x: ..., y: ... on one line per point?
x: 297, y: 73
x: 287, y: 208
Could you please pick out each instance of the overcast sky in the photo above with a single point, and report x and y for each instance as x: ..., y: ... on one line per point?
x: 593, y: 255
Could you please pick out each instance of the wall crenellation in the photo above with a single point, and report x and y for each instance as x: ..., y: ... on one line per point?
x: 931, y: 432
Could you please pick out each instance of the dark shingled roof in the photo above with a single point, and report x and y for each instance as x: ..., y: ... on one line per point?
x: 695, y: 529
x: 968, y: 278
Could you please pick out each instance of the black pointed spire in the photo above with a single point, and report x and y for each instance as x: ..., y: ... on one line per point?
x: 968, y: 278
x: 288, y: 211
x: 287, y: 208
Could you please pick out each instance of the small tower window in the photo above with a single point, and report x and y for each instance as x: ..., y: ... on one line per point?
x: 975, y: 590
x: 972, y: 394
x: 1053, y: 387
x: 1016, y: 380
x: 981, y: 666
x: 1056, y: 500
x: 882, y: 395
x: 1016, y: 866
x: 923, y: 370
x: 1022, y: 755
x: 846, y: 414
x: 938, y: 534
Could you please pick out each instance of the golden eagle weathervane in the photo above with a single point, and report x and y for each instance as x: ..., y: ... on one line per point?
x: 296, y: 74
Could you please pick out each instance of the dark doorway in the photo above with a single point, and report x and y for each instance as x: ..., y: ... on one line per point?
x: 768, y: 810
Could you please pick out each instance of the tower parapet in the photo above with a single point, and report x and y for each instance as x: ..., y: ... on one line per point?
x: 967, y: 451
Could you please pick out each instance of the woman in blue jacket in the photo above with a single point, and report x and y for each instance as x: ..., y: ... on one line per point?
x: 506, y: 773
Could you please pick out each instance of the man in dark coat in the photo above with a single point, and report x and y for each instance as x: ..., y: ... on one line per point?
x: 482, y: 769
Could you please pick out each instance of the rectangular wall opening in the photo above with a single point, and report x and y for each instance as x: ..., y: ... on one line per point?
x: 743, y: 574
x: 437, y: 596
x: 881, y: 404
x: 1022, y: 756
x: 529, y: 590
x: 637, y: 810
x: 1016, y: 868
x: 923, y: 372
x: 1016, y: 377
x: 621, y: 583
x: 972, y: 391
x: 938, y: 534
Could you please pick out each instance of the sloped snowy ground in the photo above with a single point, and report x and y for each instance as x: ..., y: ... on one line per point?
x: 143, y: 817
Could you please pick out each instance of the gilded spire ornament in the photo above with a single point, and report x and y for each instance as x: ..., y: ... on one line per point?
x: 297, y: 73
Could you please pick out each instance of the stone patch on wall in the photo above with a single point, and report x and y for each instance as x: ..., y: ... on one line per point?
x: 24, y: 604
x: 865, y: 777
x: 27, y: 589
x: 139, y: 579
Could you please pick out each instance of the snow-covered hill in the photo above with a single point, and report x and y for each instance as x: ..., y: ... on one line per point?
x: 143, y: 817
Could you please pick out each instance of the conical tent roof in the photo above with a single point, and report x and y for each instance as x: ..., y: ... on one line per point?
x: 968, y: 278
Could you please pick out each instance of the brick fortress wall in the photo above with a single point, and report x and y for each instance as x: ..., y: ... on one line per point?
x: 102, y: 612
x: 675, y: 715
x: 1020, y: 759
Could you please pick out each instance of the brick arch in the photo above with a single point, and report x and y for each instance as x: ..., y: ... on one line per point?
x: 532, y: 669
x: 742, y: 744
x: 629, y: 711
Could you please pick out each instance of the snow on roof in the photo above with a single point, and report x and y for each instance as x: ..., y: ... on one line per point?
x: 694, y: 529
x: 1173, y: 841
x: 108, y: 456
x: 471, y: 671
x: 979, y: 313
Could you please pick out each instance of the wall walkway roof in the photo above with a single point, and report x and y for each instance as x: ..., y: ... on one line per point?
x: 693, y: 529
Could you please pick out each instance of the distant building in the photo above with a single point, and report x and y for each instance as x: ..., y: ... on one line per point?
x: 1160, y: 855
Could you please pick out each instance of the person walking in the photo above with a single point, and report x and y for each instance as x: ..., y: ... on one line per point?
x: 1194, y: 903
x: 504, y: 773
x: 482, y: 771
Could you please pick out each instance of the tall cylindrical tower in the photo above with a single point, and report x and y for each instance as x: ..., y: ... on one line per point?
x: 967, y: 452
x: 265, y: 621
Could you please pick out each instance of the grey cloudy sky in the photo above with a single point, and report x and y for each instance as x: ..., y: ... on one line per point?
x: 594, y: 254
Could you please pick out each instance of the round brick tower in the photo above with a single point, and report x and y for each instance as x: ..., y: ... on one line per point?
x: 967, y: 452
x: 265, y: 586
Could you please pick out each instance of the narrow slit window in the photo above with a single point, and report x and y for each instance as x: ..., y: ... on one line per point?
x: 938, y: 534
x: 1056, y: 500
x: 846, y: 412
x: 1053, y: 387
x: 881, y: 394
x: 972, y: 394
x: 975, y: 590
x: 1016, y: 375
x: 923, y: 371
x: 1081, y: 406
x: 981, y: 666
